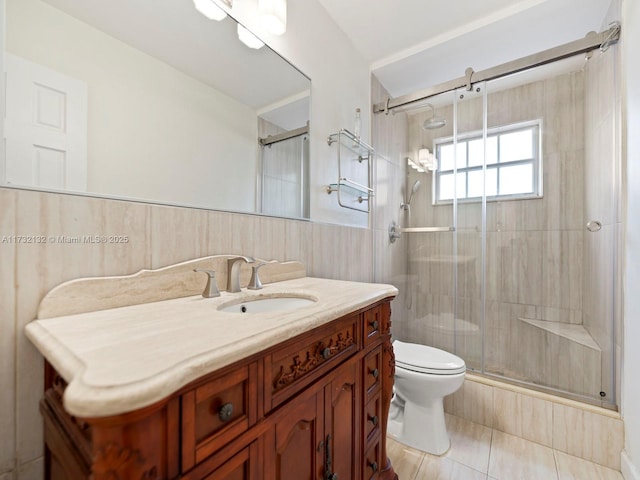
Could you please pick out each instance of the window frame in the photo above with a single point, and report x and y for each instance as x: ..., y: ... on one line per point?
x: 467, y: 137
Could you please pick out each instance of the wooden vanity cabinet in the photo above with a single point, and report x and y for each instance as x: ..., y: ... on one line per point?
x: 313, y: 407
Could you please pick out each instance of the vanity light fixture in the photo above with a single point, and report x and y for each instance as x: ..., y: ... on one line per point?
x: 211, y: 9
x: 414, y: 165
x: 273, y: 14
x: 427, y: 160
x: 248, y: 38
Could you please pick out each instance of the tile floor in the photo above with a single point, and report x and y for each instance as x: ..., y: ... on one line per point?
x: 481, y: 453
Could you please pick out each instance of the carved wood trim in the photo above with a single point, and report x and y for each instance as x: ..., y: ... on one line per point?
x: 113, y: 462
x: 317, y: 355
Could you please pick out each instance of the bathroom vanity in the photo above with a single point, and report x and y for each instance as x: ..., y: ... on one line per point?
x: 187, y: 388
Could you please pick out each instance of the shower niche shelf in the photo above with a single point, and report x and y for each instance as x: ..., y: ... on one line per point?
x: 353, y: 187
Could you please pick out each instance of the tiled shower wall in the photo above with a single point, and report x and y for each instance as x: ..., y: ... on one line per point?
x: 536, y: 258
x: 157, y: 236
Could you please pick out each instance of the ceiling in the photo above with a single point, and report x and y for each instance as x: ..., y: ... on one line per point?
x: 415, y: 44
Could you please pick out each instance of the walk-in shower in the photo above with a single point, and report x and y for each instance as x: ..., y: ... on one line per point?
x: 505, y: 268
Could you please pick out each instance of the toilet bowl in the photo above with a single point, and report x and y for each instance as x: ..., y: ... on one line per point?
x: 424, y: 376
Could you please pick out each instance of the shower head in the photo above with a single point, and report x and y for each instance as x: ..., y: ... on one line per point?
x: 414, y: 189
x: 433, y: 122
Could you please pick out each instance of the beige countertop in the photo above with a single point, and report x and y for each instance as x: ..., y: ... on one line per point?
x: 122, y: 359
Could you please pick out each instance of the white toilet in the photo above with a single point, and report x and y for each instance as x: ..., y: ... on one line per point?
x: 424, y: 376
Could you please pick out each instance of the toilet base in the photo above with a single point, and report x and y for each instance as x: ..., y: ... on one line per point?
x: 426, y: 430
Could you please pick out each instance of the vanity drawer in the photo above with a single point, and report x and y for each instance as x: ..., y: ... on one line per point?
x: 372, y: 325
x: 372, y: 418
x: 372, y: 370
x: 217, y: 412
x: 291, y: 368
x: 371, y: 465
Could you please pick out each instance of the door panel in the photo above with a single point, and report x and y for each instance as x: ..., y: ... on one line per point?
x: 45, y: 128
x: 298, y: 441
x: 341, y: 409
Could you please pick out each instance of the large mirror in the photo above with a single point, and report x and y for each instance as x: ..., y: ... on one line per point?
x: 150, y: 100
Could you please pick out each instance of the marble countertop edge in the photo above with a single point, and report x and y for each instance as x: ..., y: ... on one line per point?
x: 93, y: 401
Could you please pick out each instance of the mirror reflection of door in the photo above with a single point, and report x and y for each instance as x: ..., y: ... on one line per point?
x: 45, y: 127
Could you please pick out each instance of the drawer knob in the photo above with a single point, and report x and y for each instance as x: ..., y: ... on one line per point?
x: 374, y: 324
x: 375, y: 373
x: 374, y: 466
x: 326, y: 353
x: 373, y: 419
x: 225, y: 412
x: 332, y: 476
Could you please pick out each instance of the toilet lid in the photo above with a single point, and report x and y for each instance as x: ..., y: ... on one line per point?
x: 424, y: 359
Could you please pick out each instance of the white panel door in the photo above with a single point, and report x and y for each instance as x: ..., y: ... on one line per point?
x: 45, y: 127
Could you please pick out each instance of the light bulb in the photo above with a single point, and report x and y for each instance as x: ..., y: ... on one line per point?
x: 273, y: 14
x: 209, y: 9
x: 248, y: 38
x: 423, y: 156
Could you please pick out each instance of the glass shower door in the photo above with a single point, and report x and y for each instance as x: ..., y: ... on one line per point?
x: 469, y: 171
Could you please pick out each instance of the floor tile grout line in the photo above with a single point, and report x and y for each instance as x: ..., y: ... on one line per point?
x: 422, y: 457
x: 490, y: 450
x: 555, y: 461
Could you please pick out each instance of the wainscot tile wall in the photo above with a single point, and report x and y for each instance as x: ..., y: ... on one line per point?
x: 156, y: 236
x: 591, y: 433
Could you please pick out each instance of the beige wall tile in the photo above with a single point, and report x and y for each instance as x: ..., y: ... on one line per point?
x: 270, y: 242
x: 588, y: 435
x: 507, y: 414
x: 7, y: 476
x: 8, y: 327
x: 478, y: 403
x: 220, y: 234
x: 177, y: 234
x: 297, y: 238
x: 341, y: 252
x: 41, y: 267
x: 33, y: 470
x: 513, y: 457
x: 473, y: 402
x: 574, y: 468
x: 537, y: 420
x: 244, y: 233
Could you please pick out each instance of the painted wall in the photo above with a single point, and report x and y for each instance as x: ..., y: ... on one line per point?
x: 161, y: 235
x: 631, y: 330
x: 315, y: 44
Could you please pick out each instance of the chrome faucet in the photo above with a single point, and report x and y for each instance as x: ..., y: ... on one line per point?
x: 233, y: 272
x: 211, y: 289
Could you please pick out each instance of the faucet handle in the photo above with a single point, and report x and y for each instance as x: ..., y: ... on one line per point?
x: 211, y: 289
x: 255, y: 283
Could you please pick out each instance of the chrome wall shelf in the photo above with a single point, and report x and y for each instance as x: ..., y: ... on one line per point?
x: 352, y: 194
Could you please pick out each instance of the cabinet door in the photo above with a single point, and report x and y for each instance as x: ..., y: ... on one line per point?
x: 242, y: 466
x: 297, y: 449
x: 342, y: 423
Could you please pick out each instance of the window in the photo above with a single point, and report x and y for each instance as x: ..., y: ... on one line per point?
x: 513, y: 164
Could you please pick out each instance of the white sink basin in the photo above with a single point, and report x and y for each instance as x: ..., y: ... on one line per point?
x: 264, y: 305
